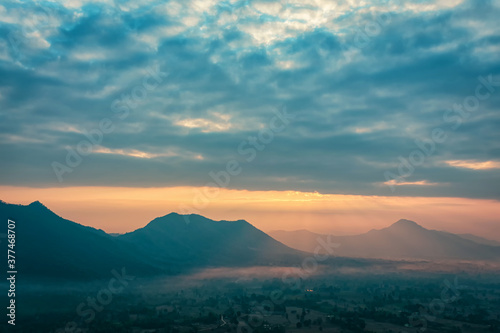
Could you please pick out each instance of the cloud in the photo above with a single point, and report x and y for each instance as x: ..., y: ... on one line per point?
x: 419, y: 183
x: 475, y: 165
x: 364, y: 81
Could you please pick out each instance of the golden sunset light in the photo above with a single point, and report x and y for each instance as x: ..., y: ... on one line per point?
x: 120, y: 210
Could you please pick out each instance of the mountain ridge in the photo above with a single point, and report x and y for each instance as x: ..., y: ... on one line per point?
x: 212, y: 239
x: 404, y: 239
x: 49, y: 245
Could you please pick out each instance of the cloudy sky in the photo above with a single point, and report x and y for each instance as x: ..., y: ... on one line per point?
x: 394, y: 102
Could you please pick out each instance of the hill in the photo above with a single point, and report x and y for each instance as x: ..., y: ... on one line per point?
x: 403, y: 240
x: 48, y: 245
x: 199, y: 241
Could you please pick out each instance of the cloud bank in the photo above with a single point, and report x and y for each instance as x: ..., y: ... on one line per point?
x: 364, y: 80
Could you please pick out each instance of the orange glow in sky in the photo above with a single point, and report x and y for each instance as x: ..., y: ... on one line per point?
x: 116, y: 209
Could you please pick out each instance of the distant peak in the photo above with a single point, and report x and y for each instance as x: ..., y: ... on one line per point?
x: 40, y: 207
x: 406, y: 223
x: 173, y: 214
x: 197, y: 217
x: 169, y: 217
x: 37, y: 204
x: 175, y: 218
x: 188, y: 220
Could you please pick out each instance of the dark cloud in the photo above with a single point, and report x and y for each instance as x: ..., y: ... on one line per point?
x: 357, y: 106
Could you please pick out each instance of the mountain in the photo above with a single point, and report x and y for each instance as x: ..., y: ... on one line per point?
x: 303, y: 240
x: 195, y: 240
x: 479, y: 240
x: 403, y: 240
x: 49, y: 246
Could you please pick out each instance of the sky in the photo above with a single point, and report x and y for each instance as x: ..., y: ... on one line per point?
x: 370, y: 110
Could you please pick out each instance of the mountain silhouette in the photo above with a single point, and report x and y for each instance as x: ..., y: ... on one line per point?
x: 404, y: 239
x: 479, y: 240
x: 48, y: 245
x: 194, y: 240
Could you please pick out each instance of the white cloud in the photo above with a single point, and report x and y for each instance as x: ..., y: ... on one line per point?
x: 219, y: 123
x: 474, y: 165
x: 133, y: 153
x: 418, y: 183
